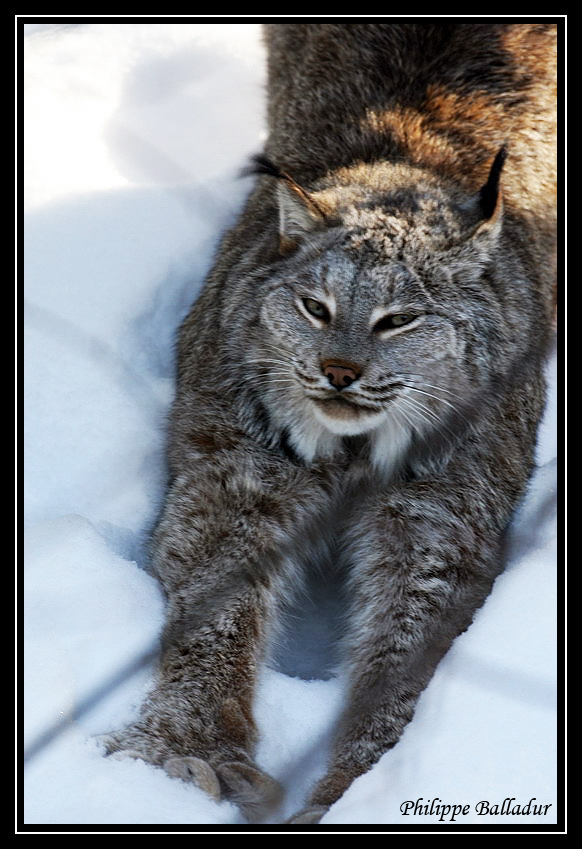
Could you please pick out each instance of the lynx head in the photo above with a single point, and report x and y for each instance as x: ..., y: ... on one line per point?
x: 376, y: 316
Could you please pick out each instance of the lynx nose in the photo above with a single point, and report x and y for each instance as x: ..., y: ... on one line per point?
x: 339, y: 374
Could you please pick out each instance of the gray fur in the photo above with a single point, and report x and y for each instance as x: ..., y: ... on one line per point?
x: 384, y: 244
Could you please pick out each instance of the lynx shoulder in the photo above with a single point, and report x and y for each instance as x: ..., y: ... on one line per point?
x: 363, y: 373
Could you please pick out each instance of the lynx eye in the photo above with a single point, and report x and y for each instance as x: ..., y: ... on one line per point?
x: 316, y: 309
x: 388, y: 322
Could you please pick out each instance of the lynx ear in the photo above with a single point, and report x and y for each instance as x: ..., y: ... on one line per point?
x: 299, y: 214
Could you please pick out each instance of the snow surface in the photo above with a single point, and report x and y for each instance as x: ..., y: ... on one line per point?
x: 134, y: 137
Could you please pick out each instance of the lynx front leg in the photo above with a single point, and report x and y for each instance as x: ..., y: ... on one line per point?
x: 197, y: 722
x: 421, y: 570
x: 218, y: 557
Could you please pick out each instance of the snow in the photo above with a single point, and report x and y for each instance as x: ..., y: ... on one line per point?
x: 134, y: 138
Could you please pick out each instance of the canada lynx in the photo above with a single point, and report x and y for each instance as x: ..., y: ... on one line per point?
x: 364, y: 370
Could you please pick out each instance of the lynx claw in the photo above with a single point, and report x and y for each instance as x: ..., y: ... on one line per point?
x: 255, y: 792
x: 196, y: 771
x: 308, y: 815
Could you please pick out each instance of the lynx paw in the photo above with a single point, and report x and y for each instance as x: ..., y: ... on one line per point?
x: 308, y: 815
x: 253, y: 790
x: 239, y: 781
x: 196, y: 771
x: 244, y: 784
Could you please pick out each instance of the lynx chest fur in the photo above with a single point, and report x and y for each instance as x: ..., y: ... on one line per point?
x: 365, y: 366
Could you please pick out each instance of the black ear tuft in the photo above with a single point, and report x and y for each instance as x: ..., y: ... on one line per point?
x: 262, y: 165
x: 490, y: 191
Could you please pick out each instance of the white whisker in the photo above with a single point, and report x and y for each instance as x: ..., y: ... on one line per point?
x: 398, y: 411
x: 418, y: 379
x: 270, y: 360
x: 426, y: 415
x: 431, y: 395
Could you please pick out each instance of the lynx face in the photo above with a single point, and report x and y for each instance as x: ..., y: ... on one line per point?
x: 356, y: 340
x: 366, y: 323
x: 359, y: 351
